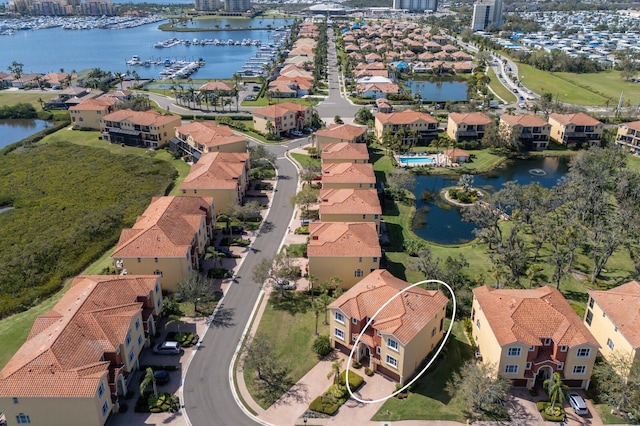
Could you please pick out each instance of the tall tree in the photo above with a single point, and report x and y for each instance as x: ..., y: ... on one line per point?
x: 555, y: 388
x: 618, y: 382
x: 480, y: 386
x: 149, y: 378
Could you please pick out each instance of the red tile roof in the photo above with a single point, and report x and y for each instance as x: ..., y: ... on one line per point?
x: 622, y: 306
x: 278, y: 110
x: 216, y: 85
x: 404, y: 117
x: 343, y: 239
x: 524, y: 120
x: 473, y: 118
x: 580, y: 119
x: 345, y: 151
x: 217, y: 170
x: 210, y: 134
x: 144, y: 118
x: 349, y: 201
x: 93, y: 105
x: 342, y: 131
x: 348, y: 173
x: 404, y: 317
x: 530, y: 316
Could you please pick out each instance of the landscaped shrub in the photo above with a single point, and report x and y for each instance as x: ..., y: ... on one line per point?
x: 557, y: 414
x: 219, y: 273
x: 325, y: 405
x: 164, y: 403
x: 238, y: 242
x: 260, y: 186
x: 302, y: 230
x: 368, y: 371
x: 453, y: 193
x: 414, y: 247
x: 357, y: 365
x: 186, y: 340
x: 355, y: 380
x: 322, y: 346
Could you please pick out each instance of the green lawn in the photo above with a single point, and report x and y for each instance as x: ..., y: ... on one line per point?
x: 289, y: 324
x: 90, y: 138
x: 12, y: 98
x: 429, y: 400
x: 604, y: 411
x: 263, y: 101
x: 581, y: 89
x: 495, y: 84
x: 305, y: 160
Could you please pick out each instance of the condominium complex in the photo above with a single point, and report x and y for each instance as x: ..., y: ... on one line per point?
x: 416, y: 5
x: 486, y: 13
x: 237, y: 5
x: 206, y: 5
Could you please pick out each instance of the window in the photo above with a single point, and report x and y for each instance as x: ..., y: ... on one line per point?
x: 583, y: 353
x: 579, y: 369
x: 433, y: 332
x: 392, y: 344
x: 139, y: 260
x: 589, y: 317
x: 140, y: 340
x: 137, y: 323
x: 392, y: 361
x: 131, y: 356
x: 354, y: 321
x: 547, y: 342
x: 591, y: 302
x: 511, y: 369
x: 100, y: 390
x: 604, y: 315
x: 478, y: 324
x: 105, y: 408
x: 128, y: 338
x: 157, y: 288
x: 338, y: 333
x: 364, y: 216
x: 157, y: 272
x: 159, y: 303
x: 23, y: 419
x: 441, y: 323
x: 514, y: 352
x: 155, y: 259
x: 375, y: 260
x: 561, y: 366
x: 615, y: 329
x: 378, y: 350
x: 15, y: 400
x: 563, y: 348
x: 360, y: 260
x: 610, y: 344
x: 339, y: 317
x: 532, y: 348
x: 358, y: 273
x: 527, y: 366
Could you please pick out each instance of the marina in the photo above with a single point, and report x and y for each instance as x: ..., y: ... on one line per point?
x: 171, y: 42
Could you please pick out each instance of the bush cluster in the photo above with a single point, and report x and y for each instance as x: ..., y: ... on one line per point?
x: 186, y: 340
x: 555, y: 414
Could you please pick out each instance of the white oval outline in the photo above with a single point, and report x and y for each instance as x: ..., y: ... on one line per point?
x: 444, y: 341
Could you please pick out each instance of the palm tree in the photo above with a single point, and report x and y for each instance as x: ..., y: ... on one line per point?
x: 149, y: 378
x: 270, y: 127
x: 212, y: 253
x: 555, y: 388
x: 335, y: 370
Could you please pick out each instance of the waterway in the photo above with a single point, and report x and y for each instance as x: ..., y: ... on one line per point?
x: 49, y: 50
x: 439, y: 91
x: 12, y: 131
x: 444, y: 224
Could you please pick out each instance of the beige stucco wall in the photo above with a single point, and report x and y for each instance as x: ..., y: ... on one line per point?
x: 173, y: 269
x: 223, y: 199
x: 485, y: 339
x: 324, y: 268
x: 351, y: 217
x: 603, y: 329
x: 60, y: 411
x: 573, y: 360
x: 452, y: 129
x: 134, y: 347
x: 83, y: 119
x: 558, y: 130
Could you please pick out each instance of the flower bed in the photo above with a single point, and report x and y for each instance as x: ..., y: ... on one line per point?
x: 330, y: 401
x: 186, y: 340
x: 555, y: 414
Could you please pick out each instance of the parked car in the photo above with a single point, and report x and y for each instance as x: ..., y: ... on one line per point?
x: 515, y: 90
x: 578, y: 404
x: 250, y: 98
x: 256, y: 88
x: 522, y: 98
x: 167, y: 348
x: 282, y: 284
x: 161, y: 377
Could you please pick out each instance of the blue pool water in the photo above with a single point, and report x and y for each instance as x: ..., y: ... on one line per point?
x: 416, y: 161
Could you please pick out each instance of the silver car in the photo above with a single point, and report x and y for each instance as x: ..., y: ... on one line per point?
x: 578, y: 404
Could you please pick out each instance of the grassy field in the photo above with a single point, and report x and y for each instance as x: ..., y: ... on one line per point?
x: 305, y: 160
x: 495, y: 85
x: 263, y: 101
x: 12, y: 98
x: 293, y: 342
x: 88, y: 138
x: 429, y: 400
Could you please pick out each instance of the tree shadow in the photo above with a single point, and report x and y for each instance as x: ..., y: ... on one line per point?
x: 397, y: 269
x: 267, y: 226
x: 576, y: 296
x: 389, y: 207
x: 295, y: 394
x: 292, y: 302
x: 222, y: 318
x: 396, y: 238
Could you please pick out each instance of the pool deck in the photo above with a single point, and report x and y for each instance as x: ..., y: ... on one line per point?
x: 440, y: 160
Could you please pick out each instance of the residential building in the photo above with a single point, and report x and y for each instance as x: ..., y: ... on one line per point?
x: 237, y: 5
x: 219, y: 88
x: 486, y: 13
x: 629, y: 136
x: 533, y: 131
x: 531, y: 334
x: 281, y: 118
x: 350, y: 205
x: 340, y: 133
x: 200, y: 137
x: 223, y: 176
x: 206, y: 5
x: 87, y: 114
x: 613, y: 319
x: 344, y: 152
x: 168, y: 239
x: 413, y: 127
x: 79, y: 357
x: 416, y: 5
x: 575, y: 129
x: 348, y: 175
x: 457, y: 155
x: 147, y: 129
x: 468, y: 126
x: 400, y: 336
x: 347, y: 250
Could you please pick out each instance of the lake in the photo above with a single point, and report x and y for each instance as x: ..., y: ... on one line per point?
x: 439, y: 91
x: 444, y: 224
x: 48, y: 50
x: 12, y: 131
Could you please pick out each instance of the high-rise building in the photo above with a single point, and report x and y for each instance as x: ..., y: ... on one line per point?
x: 207, y: 5
x: 237, y: 5
x: 416, y: 5
x: 486, y: 13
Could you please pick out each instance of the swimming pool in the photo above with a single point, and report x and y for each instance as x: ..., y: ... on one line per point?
x: 417, y: 161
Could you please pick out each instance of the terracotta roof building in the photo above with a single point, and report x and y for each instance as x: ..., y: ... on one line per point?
x: 344, y: 152
x: 400, y: 336
x: 347, y: 250
x: 468, y: 126
x: 531, y: 334
x: 221, y: 87
x: 87, y: 114
x: 200, y: 137
x: 73, y: 366
x: 613, y: 316
x: 628, y: 136
x: 414, y: 127
x: 533, y: 131
x: 340, y: 133
x: 281, y: 118
x: 348, y: 175
x: 147, y: 129
x: 350, y: 205
x: 575, y: 129
x: 168, y: 239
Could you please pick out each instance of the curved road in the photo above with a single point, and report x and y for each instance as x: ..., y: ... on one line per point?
x: 207, y: 394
